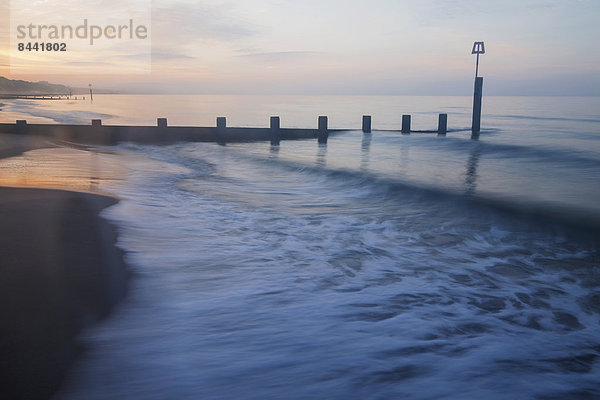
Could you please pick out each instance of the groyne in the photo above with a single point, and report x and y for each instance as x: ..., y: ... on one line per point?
x: 98, y: 133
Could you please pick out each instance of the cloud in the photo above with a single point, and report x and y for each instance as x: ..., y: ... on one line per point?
x: 199, y: 22
x: 90, y: 63
x: 156, y: 55
x: 279, y: 56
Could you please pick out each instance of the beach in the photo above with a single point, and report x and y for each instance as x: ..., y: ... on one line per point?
x: 213, y: 200
x: 60, y: 272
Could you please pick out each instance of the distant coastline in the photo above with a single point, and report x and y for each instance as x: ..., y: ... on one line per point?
x: 21, y: 87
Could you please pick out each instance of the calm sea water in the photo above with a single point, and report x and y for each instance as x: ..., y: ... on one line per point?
x: 379, y: 266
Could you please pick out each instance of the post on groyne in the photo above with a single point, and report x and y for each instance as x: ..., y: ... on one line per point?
x: 406, y: 124
x: 275, y: 131
x: 366, y: 124
x: 221, y: 125
x: 478, y: 48
x: 442, y: 124
x: 323, y: 133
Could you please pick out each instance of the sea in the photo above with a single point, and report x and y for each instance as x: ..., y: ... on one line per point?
x: 377, y: 266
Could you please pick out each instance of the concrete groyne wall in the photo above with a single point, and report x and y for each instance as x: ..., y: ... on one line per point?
x: 162, y: 133
x: 99, y: 134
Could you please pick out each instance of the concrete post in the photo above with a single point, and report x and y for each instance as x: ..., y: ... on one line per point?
x: 161, y: 122
x: 96, y: 122
x: 275, y: 131
x: 323, y: 133
x: 442, y: 124
x: 366, y: 124
x: 406, y: 124
x: 477, y: 95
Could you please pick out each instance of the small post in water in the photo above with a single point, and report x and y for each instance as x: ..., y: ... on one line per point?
x: 161, y: 122
x: 442, y: 124
x: 406, y: 124
x: 96, y: 122
x: 366, y: 124
x: 323, y: 133
x: 275, y: 131
x: 221, y: 122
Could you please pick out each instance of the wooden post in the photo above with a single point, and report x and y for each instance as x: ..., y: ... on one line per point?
x: 96, y: 122
x: 323, y: 133
x: 161, y: 122
x: 442, y: 124
x: 275, y: 131
x: 477, y: 95
x: 366, y: 124
x: 406, y: 124
x: 221, y: 122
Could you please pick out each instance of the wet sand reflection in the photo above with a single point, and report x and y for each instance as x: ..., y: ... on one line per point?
x: 64, y: 168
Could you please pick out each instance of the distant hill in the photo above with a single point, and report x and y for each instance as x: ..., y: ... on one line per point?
x: 9, y: 86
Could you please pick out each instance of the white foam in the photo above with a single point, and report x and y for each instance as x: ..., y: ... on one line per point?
x: 259, y: 281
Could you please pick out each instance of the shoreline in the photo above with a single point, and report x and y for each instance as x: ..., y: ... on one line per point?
x: 60, y: 273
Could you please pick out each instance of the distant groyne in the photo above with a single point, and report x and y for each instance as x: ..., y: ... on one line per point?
x: 41, y: 96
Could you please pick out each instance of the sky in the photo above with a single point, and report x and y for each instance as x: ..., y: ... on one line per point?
x: 362, y: 47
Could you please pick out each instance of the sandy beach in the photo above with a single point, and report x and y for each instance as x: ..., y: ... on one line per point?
x: 60, y: 272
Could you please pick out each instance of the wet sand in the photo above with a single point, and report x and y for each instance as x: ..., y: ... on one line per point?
x: 59, y: 272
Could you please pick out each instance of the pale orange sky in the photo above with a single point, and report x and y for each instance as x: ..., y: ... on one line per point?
x: 336, y: 46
